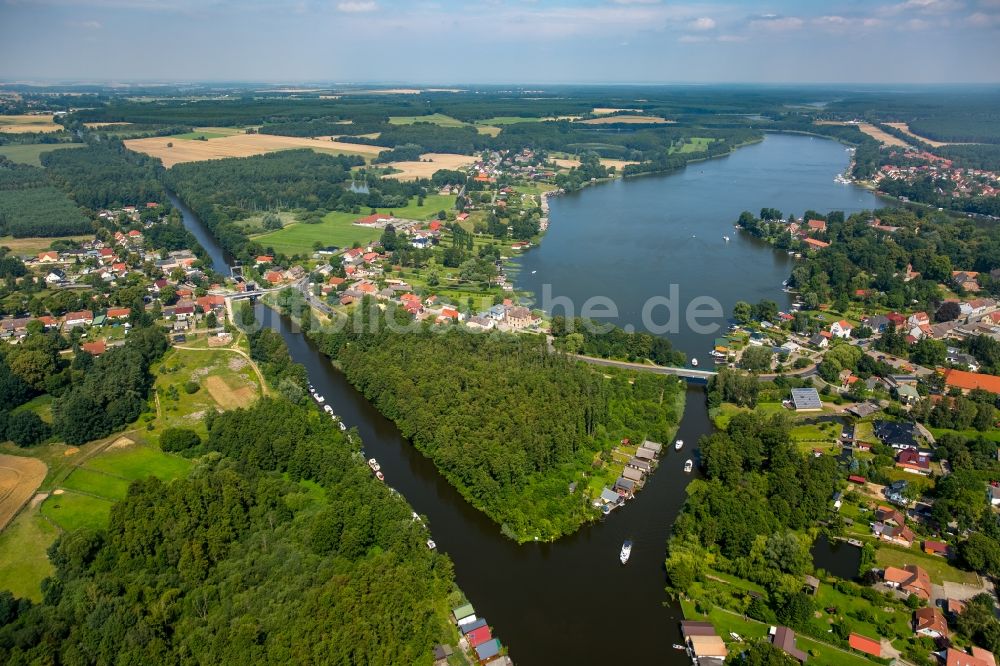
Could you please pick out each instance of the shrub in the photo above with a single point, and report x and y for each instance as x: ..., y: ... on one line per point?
x: 179, y: 439
x: 191, y: 387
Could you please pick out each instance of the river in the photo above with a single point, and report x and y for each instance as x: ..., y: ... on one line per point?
x: 569, y: 601
x: 629, y: 240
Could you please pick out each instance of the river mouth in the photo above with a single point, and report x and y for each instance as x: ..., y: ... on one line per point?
x: 571, y: 600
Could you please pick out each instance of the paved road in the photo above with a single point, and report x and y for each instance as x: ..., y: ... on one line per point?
x: 686, y: 373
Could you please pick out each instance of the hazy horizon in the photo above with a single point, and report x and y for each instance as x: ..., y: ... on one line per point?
x: 502, y: 42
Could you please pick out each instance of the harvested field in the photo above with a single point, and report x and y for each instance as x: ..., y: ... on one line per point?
x: 21, y: 124
x: 626, y: 120
x: 19, y: 479
x: 36, y: 244
x: 240, y: 145
x: 227, y: 397
x: 905, y: 129
x: 605, y: 110
x: 870, y: 130
x: 426, y: 169
x: 570, y: 163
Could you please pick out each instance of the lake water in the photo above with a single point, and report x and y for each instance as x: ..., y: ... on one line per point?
x: 572, y: 601
x: 630, y: 240
x: 836, y: 557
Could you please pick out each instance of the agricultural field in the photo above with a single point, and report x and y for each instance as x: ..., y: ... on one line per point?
x: 430, y: 162
x: 209, y: 133
x: 36, y: 244
x: 696, y: 144
x: 20, y: 477
x: 337, y: 229
x: 570, y: 162
x: 508, y: 120
x: 29, y: 153
x: 74, y: 511
x: 23, y: 559
x: 172, y: 151
x: 626, y: 120
x: 434, y: 119
x: 23, y: 124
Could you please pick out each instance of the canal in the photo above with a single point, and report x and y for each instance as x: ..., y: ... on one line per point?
x: 569, y: 601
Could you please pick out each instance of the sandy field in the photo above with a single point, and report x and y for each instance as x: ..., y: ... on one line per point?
x: 870, y: 130
x: 605, y: 110
x: 240, y: 145
x: 227, y: 397
x: 28, y: 123
x: 414, y: 170
x: 627, y: 120
x: 19, y: 479
x: 905, y: 129
x: 608, y: 162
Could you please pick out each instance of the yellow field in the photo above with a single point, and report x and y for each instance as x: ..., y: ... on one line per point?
x: 627, y: 120
x: 905, y: 129
x: 35, y: 245
x: 605, y: 110
x: 21, y: 124
x: 608, y: 162
x: 414, y: 170
x: 870, y: 130
x: 228, y: 397
x: 19, y: 479
x: 491, y: 130
x: 240, y: 145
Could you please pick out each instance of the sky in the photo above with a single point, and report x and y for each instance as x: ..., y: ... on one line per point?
x: 501, y: 41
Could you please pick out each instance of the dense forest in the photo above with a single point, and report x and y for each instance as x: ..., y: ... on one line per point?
x: 508, y: 423
x: 592, y: 339
x: 106, y: 175
x: 278, y: 548
x: 31, y: 206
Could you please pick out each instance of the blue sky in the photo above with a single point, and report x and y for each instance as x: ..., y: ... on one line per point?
x: 501, y: 41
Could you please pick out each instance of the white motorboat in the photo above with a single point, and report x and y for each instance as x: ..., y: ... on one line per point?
x: 374, y: 465
x: 725, y: 238
x: 379, y: 476
x: 694, y: 362
x: 626, y: 551
x: 341, y: 425
x: 328, y: 409
x: 320, y: 399
x: 688, y: 466
x: 431, y: 544
x: 678, y: 445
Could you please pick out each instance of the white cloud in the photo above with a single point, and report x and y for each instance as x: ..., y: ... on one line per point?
x: 732, y: 38
x: 836, y: 23
x: 692, y: 39
x: 636, y: 2
x: 703, y: 23
x: 357, y: 6
x: 91, y: 25
x: 776, y: 23
x: 982, y: 20
x: 922, y: 7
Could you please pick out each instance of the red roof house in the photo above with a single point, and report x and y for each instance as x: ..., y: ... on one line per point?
x: 479, y: 636
x: 866, y: 645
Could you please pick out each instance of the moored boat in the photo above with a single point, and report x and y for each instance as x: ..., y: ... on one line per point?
x: 379, y: 476
x: 374, y: 465
x: 431, y: 544
x: 688, y: 465
x: 626, y: 551
x: 694, y: 362
x: 678, y: 445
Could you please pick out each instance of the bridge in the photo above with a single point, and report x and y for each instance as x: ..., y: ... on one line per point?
x: 688, y: 374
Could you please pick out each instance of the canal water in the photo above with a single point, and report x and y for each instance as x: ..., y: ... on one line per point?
x: 569, y: 601
x: 630, y: 240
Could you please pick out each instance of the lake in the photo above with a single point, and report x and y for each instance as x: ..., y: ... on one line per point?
x: 630, y: 240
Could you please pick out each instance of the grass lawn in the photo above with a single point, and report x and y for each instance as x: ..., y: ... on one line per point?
x: 23, y: 559
x: 337, y: 228
x: 937, y: 567
x: 139, y: 461
x: 96, y: 483
x: 724, y: 623
x: 226, y: 381
x: 991, y: 435
x: 209, y: 133
x: 29, y: 153
x: 434, y: 118
x: 696, y: 144
x: 73, y: 511
x: 40, y: 405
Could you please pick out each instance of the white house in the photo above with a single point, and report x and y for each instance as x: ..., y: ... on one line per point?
x: 841, y: 329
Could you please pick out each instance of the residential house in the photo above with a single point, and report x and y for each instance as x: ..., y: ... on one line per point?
x: 519, y: 317
x: 783, y: 638
x: 966, y: 280
x: 79, y: 318
x: 939, y: 548
x: 911, y: 579
x: 625, y: 486
x: 96, y: 348
x: 819, y: 341
x: 929, y: 621
x: 968, y: 381
x: 815, y: 226
x: 49, y: 257
x: 841, y: 329
x: 900, y: 535
x: 914, y: 462
x: 813, y: 244
x: 55, y: 276
x: 993, y: 494
x: 979, y: 657
x: 878, y: 323
x: 806, y: 400
x: 118, y: 313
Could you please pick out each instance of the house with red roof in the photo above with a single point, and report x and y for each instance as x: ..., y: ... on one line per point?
x: 274, y: 277
x: 910, y: 579
x: 969, y: 381
x: 48, y: 257
x: 841, y: 329
x: 118, y: 313
x: 479, y: 636
x: 816, y: 226
x: 264, y: 259
x: 96, y: 348
x: 979, y: 657
x: 929, y: 621
x: 914, y: 462
x: 864, y: 644
x: 939, y: 548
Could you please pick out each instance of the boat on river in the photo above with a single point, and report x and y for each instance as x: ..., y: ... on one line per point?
x: 431, y: 544
x: 379, y: 476
x: 694, y: 362
x: 688, y: 465
x: 678, y: 445
x: 725, y: 238
x: 320, y: 399
x: 626, y: 551
x: 341, y: 425
x: 678, y: 646
x: 374, y: 465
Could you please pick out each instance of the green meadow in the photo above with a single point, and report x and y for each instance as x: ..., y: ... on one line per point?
x: 434, y: 118
x: 29, y: 153
x: 23, y: 559
x: 337, y: 228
